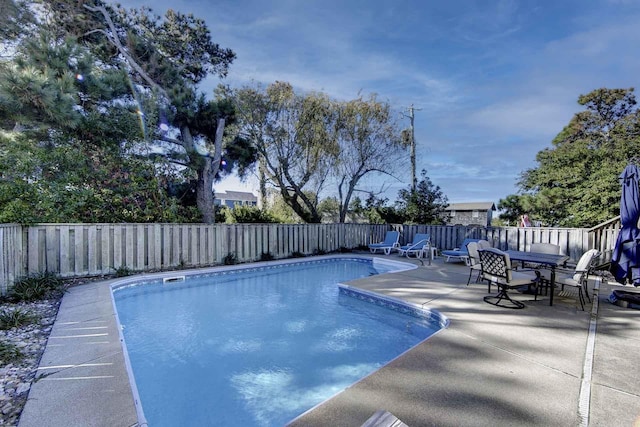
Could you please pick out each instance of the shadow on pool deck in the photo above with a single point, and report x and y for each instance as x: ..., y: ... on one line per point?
x: 492, y: 366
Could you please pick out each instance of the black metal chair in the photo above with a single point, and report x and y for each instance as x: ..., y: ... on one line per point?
x: 496, y: 268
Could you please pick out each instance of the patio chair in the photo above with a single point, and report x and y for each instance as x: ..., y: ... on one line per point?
x: 418, y: 246
x: 575, y: 278
x: 483, y: 244
x: 460, y: 253
x: 390, y: 243
x: 496, y: 268
x: 474, y: 261
x: 542, y: 248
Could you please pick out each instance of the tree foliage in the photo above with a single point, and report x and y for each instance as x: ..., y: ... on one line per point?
x: 295, y: 138
x: 309, y: 142
x: 369, y: 141
x: 87, y: 59
x: 425, y: 205
x: 576, y: 181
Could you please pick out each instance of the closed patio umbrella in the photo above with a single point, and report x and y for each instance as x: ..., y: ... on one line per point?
x: 625, y: 262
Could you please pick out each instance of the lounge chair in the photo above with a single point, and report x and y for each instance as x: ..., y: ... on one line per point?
x: 461, y: 253
x: 419, y: 246
x: 390, y: 243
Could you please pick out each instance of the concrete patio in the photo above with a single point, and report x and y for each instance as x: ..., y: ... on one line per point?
x: 492, y: 366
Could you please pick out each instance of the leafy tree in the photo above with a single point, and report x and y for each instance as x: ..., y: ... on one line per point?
x: 305, y: 142
x: 514, y: 206
x: 152, y: 65
x: 64, y: 154
x: 369, y: 142
x: 166, y: 57
x: 576, y: 182
x: 425, y: 205
x: 378, y: 211
x: 295, y: 139
x: 329, y: 209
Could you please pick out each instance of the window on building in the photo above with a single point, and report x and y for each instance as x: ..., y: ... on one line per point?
x: 453, y: 213
x: 475, y: 214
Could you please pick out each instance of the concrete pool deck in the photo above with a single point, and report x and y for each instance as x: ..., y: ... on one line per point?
x: 492, y: 366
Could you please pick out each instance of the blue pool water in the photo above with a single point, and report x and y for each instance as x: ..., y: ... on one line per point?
x: 258, y: 347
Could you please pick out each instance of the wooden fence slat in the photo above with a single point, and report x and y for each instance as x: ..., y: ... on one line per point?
x: 79, y: 251
x: 140, y: 250
x: 92, y: 249
x: 64, y: 251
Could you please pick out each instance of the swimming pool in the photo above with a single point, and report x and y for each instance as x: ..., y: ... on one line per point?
x: 259, y: 346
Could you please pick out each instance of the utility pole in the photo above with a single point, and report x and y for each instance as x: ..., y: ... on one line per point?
x: 414, y: 180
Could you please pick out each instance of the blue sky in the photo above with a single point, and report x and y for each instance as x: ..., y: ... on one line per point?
x: 495, y: 81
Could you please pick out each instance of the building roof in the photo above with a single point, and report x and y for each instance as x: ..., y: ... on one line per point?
x: 472, y: 206
x: 236, y: 195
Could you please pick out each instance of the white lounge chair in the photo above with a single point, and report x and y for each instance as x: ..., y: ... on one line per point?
x: 461, y: 253
x: 419, y: 246
x: 390, y: 243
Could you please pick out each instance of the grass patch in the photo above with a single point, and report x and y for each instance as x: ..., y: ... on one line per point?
x: 9, y: 353
x: 15, y: 318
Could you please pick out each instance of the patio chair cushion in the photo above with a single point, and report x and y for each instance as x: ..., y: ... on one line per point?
x: 461, y: 253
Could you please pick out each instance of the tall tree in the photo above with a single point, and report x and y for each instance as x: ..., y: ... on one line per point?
x: 514, y: 206
x: 167, y: 57
x: 576, y: 182
x: 424, y: 205
x: 63, y: 149
x: 295, y: 139
x: 369, y: 142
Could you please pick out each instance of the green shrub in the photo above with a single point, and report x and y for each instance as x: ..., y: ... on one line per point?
x: 36, y: 287
x: 297, y: 254
x: 9, y: 353
x: 249, y: 214
x: 16, y: 318
x: 230, y: 259
x: 123, y: 271
x: 344, y: 250
x: 319, y: 252
x: 267, y: 256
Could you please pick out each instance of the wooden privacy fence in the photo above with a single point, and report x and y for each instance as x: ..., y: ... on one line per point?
x: 97, y: 249
x: 76, y: 250
x: 572, y: 241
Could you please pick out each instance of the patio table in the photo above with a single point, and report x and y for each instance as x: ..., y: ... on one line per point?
x: 551, y: 260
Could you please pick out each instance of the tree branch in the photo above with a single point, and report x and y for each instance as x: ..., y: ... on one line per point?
x: 113, y: 38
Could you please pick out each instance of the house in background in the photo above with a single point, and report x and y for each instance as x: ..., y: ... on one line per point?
x: 475, y: 213
x: 235, y: 198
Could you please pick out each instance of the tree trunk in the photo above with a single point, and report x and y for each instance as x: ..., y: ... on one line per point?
x: 207, y: 168
x: 204, y: 192
x: 263, y: 182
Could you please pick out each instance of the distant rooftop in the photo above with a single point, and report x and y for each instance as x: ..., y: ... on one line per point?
x: 471, y: 206
x: 236, y: 195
